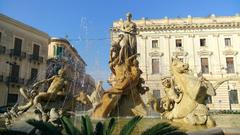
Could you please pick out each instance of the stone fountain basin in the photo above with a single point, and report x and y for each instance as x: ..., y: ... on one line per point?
x: 228, y: 123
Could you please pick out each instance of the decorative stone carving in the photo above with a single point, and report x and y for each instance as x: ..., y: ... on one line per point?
x: 185, y: 96
x: 230, y: 51
x: 94, y: 99
x: 126, y: 83
x: 204, y: 52
x: 180, y: 52
x: 39, y: 101
x: 156, y: 54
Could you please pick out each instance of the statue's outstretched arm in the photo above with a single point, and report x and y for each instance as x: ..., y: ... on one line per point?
x: 43, y: 81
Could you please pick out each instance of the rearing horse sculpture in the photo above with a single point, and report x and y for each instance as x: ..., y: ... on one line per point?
x: 190, y: 93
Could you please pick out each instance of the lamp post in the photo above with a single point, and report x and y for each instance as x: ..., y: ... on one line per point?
x: 229, y: 91
x: 229, y: 98
x: 9, y: 76
x: 228, y: 88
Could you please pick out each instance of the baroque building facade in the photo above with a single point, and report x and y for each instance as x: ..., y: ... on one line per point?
x: 28, y: 55
x: 210, y: 45
x: 23, y: 55
x: 62, y: 53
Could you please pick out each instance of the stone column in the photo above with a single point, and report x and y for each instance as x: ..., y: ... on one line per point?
x: 143, y: 56
x: 216, y: 36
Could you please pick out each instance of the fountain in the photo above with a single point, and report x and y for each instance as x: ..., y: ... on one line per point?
x: 44, y: 105
x: 184, y: 102
x: 123, y: 98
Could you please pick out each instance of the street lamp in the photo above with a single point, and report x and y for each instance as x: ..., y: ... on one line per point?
x: 229, y: 91
x: 9, y: 76
x: 229, y: 97
x: 228, y: 88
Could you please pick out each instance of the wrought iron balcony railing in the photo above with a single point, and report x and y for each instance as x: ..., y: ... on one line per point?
x: 13, y: 79
x: 36, y: 58
x: 16, y: 53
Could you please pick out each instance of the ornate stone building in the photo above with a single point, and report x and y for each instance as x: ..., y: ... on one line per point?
x: 23, y: 55
x: 210, y: 45
x: 60, y: 53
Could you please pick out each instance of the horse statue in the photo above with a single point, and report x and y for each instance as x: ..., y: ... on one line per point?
x: 185, y: 96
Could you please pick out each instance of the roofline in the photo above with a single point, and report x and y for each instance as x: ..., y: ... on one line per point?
x: 53, y: 39
x: 24, y: 26
x: 175, y: 18
x: 57, y: 39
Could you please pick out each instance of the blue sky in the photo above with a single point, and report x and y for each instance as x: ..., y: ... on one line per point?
x: 87, y: 22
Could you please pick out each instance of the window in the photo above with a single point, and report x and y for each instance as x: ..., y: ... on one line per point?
x: 230, y: 65
x: 178, y: 42
x: 233, y: 97
x: 12, y: 99
x: 154, y: 43
x: 14, y: 73
x: 155, y: 66
x: 204, y: 65
x: 156, y: 93
x: 34, y: 73
x: 227, y: 41
x: 36, y: 49
x: 208, y: 100
x: 58, y: 51
x: 202, y: 42
x: 17, y: 46
x: 0, y: 36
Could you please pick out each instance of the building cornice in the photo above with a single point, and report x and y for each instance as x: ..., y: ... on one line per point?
x: 186, y: 26
x: 68, y: 45
x: 21, y: 25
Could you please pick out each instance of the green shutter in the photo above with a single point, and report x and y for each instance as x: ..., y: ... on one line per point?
x: 54, y: 50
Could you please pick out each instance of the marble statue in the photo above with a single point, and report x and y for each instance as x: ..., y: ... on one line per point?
x: 59, y: 85
x: 97, y: 94
x: 94, y: 99
x: 128, y: 42
x: 185, y: 96
x: 123, y: 98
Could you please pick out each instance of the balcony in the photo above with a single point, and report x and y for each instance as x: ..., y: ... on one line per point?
x: 2, y: 49
x: 15, y: 53
x: 36, y: 58
x: 13, y: 79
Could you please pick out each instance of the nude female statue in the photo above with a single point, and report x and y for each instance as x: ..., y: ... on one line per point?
x: 129, y: 42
